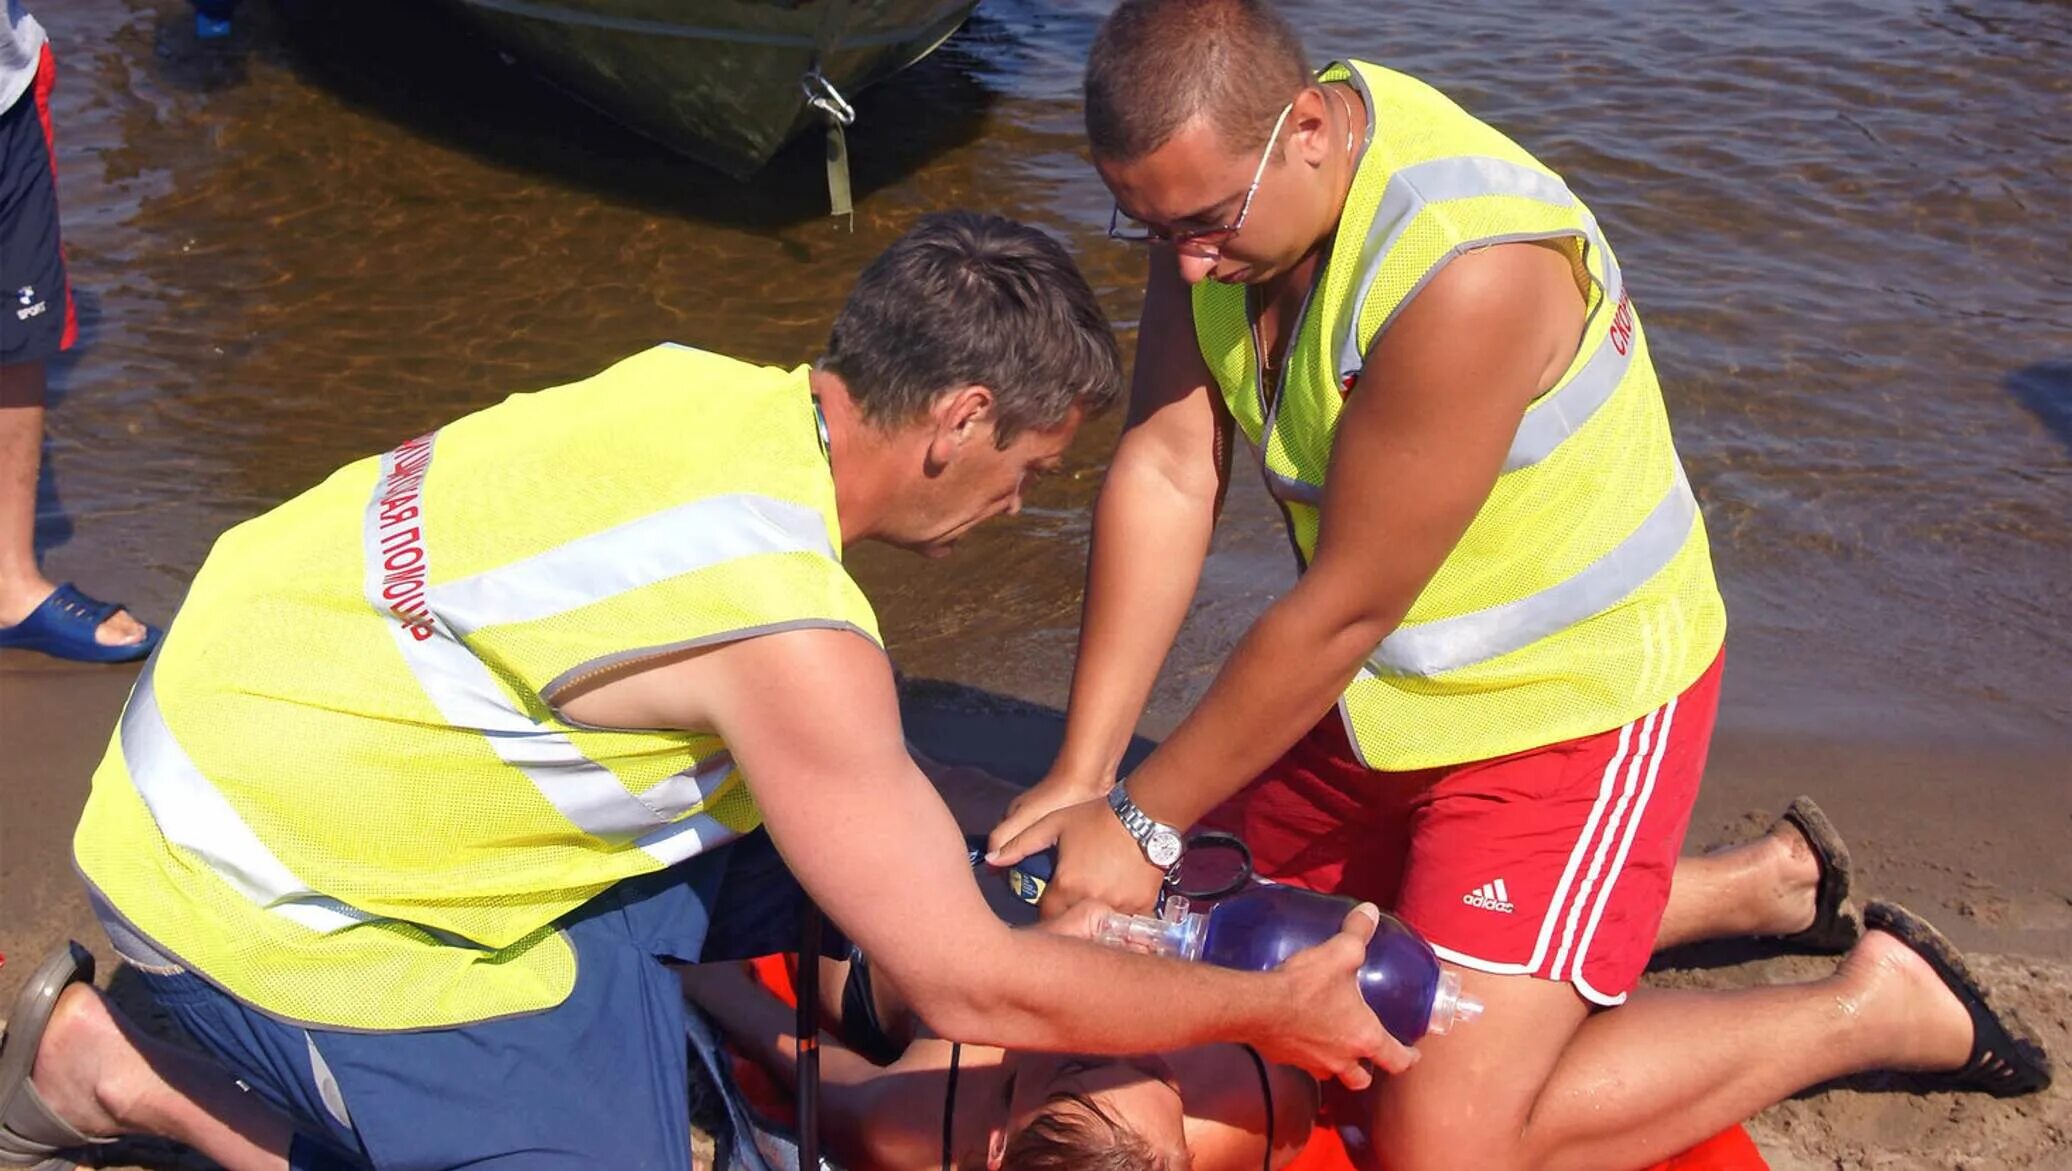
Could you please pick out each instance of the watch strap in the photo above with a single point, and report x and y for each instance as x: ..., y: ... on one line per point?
x: 1139, y: 824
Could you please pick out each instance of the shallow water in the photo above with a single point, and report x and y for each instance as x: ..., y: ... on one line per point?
x: 1849, y: 229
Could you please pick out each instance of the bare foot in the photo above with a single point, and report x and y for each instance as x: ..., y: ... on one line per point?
x: 18, y: 603
x: 1912, y: 1020
x: 119, y: 630
x: 86, y: 1069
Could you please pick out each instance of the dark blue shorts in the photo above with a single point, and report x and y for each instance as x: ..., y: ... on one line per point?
x: 597, y: 1081
x: 36, y: 319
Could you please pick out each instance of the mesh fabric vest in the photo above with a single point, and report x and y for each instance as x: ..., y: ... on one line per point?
x: 339, y: 790
x: 1581, y: 596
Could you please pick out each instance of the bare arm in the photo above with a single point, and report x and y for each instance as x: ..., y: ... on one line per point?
x: 764, y: 1029
x: 1418, y: 450
x: 813, y: 719
x: 1152, y: 525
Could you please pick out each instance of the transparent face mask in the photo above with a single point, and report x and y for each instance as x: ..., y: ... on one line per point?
x: 1215, y: 865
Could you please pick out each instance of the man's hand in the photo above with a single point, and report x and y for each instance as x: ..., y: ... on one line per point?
x: 1097, y: 859
x: 1082, y: 921
x: 1330, y: 1030
x: 1047, y: 796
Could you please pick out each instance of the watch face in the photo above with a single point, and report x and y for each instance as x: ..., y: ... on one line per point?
x: 1162, y: 848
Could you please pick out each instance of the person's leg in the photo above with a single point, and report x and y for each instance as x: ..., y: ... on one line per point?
x: 1319, y: 820
x: 1539, y: 1083
x: 103, y: 1076
x: 1762, y: 887
x: 39, y: 325
x: 22, y: 585
x: 1579, y: 843
x: 597, y: 1080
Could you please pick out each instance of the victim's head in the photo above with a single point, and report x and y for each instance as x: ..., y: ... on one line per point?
x: 1072, y: 1112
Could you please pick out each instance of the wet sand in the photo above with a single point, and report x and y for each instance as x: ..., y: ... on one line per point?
x: 1848, y: 242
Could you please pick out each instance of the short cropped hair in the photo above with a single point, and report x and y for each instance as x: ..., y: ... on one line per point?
x: 1157, y: 65
x: 966, y: 299
x: 1073, y: 1133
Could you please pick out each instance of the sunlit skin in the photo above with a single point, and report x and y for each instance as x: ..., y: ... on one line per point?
x: 1196, y: 179
x: 983, y: 481
x: 923, y: 486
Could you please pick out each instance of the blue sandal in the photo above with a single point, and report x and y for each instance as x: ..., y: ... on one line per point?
x: 63, y: 627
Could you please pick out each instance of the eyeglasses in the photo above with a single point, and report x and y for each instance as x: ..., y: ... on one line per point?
x: 1204, y: 242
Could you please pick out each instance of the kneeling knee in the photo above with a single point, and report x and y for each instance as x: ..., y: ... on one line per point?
x: 1456, y: 1148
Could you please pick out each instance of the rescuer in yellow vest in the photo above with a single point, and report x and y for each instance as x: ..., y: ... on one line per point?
x: 1487, y: 701
x: 443, y: 758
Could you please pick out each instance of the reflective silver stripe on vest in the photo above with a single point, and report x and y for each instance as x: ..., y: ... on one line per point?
x: 1559, y: 414
x: 693, y: 786
x: 1407, y: 192
x: 687, y: 838
x: 585, y: 571
x: 1293, y: 491
x: 1448, y: 644
x: 641, y: 552
x: 1562, y: 411
x: 193, y: 815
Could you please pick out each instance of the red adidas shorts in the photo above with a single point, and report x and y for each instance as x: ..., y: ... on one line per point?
x: 1553, y: 863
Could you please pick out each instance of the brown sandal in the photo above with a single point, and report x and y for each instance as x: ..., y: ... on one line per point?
x: 30, y: 1133
x: 1836, y: 923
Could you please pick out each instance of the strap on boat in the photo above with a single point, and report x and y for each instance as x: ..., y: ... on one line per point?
x: 822, y: 95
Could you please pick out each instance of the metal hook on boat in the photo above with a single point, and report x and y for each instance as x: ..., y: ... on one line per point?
x: 822, y: 95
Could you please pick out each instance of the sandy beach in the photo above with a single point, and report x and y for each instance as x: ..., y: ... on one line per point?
x: 298, y: 248
x: 2001, y: 894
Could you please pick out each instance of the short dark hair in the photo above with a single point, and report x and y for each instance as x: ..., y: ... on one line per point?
x: 1073, y: 1133
x: 1156, y: 65
x: 964, y: 299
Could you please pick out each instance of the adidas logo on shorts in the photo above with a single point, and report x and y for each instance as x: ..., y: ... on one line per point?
x: 1490, y: 897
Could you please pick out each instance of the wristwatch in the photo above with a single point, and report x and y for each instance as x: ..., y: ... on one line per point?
x: 1159, y: 841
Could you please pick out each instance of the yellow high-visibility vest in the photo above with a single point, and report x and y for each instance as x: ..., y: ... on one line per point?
x: 1582, y: 594
x: 341, y: 790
